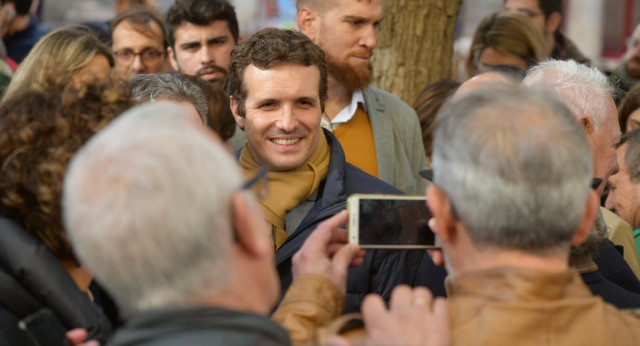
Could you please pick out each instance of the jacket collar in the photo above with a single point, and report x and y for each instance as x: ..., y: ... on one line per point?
x: 511, y: 283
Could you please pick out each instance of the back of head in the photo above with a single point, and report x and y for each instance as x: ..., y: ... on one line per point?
x: 584, y: 89
x: 169, y: 86
x: 632, y: 154
x: 516, y: 166
x: 509, y: 33
x: 148, y: 208
x: 56, y: 58
x: 270, y: 48
x: 40, y: 130
x: 201, y: 13
x: 221, y: 119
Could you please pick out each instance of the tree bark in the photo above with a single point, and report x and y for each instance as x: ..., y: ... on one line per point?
x: 415, y: 47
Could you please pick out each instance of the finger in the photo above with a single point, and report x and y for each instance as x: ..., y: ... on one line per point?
x: 374, y: 312
x: 422, y: 296
x: 320, y: 237
x: 401, y: 296
x: 441, y: 309
x: 344, y: 256
x: 77, y: 335
x: 358, y: 259
x: 340, y: 235
x: 436, y: 256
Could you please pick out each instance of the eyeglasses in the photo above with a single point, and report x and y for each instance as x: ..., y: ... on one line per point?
x: 149, y: 56
x: 259, y: 184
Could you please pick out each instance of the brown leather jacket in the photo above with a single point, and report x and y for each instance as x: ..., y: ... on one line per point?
x: 508, y: 306
x: 504, y: 306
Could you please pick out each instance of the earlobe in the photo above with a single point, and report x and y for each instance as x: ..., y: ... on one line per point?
x: 441, y: 210
x: 234, y: 109
x: 172, y: 59
x: 554, y: 21
x: 306, y: 21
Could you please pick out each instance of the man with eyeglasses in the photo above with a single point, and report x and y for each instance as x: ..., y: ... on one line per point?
x: 627, y: 74
x: 138, y: 42
x: 547, y: 15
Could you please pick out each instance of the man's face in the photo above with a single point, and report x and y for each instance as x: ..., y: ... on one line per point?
x: 603, y: 145
x: 624, y: 195
x: 348, y: 33
x: 282, y: 118
x: 632, y: 56
x: 531, y: 8
x: 203, y: 51
x: 138, y: 49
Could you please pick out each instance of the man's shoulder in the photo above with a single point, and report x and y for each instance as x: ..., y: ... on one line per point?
x: 358, y: 181
x: 386, y: 99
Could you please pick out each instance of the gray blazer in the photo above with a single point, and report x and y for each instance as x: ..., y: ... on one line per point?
x: 398, y: 140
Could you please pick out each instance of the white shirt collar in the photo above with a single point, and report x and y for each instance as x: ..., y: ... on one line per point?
x: 347, y: 112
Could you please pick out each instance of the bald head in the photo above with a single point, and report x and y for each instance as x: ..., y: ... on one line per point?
x: 486, y: 80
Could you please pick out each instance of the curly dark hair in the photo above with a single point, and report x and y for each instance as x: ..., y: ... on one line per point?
x: 40, y: 130
x: 201, y: 13
x: 270, y: 48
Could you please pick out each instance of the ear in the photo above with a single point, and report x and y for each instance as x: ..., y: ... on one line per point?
x: 591, y: 208
x: 307, y: 22
x: 553, y: 22
x: 236, y: 114
x: 172, y: 59
x: 249, y: 225
x: 442, y: 211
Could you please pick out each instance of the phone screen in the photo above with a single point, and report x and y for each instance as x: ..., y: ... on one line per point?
x: 45, y: 328
x: 394, y: 222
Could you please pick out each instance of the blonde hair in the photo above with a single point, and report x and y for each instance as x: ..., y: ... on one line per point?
x: 510, y: 33
x: 56, y: 58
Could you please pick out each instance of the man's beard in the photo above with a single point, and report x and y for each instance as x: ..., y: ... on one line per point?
x: 352, y: 77
x: 207, y: 68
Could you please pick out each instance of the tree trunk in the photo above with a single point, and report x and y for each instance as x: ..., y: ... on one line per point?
x: 415, y: 46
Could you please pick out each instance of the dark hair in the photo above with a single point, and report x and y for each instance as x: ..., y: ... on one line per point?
x: 221, y: 119
x: 22, y: 6
x: 200, y: 12
x: 142, y: 16
x: 549, y: 6
x: 40, y: 130
x: 427, y: 104
x: 269, y: 48
x: 629, y: 103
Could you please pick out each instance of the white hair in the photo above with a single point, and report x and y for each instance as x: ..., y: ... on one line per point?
x: 584, y: 89
x: 147, y: 206
x: 516, y: 167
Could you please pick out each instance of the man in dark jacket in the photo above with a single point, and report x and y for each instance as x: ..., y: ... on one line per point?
x: 278, y: 87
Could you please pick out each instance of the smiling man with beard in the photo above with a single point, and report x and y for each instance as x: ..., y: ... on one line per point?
x: 379, y: 133
x: 202, y: 34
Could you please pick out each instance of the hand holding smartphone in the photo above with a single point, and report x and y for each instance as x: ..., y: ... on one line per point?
x: 389, y: 222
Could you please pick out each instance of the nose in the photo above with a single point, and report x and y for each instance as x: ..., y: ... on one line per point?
x: 137, y: 65
x: 369, y: 37
x: 206, y: 56
x: 287, y: 121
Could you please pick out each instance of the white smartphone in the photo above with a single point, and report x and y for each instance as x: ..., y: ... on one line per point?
x: 389, y: 222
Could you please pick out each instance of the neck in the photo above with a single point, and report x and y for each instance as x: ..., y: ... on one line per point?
x: 339, y: 98
x: 475, y: 260
x: 238, y: 296
x: 79, y: 274
x: 19, y: 23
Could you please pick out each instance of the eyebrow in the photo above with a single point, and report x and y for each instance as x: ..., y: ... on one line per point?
x: 364, y: 19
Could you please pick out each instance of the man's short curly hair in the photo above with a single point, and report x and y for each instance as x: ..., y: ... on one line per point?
x: 40, y: 130
x: 200, y: 13
x: 270, y: 48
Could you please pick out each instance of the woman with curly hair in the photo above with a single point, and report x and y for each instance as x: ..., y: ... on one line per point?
x: 40, y: 130
x: 66, y: 57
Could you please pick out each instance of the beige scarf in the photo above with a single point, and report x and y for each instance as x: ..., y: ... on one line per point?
x: 288, y: 189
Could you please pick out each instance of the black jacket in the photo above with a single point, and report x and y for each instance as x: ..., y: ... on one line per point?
x: 382, y: 270
x: 32, y: 278
x: 199, y: 325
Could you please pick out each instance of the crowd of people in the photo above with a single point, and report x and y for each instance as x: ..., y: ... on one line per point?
x: 164, y: 182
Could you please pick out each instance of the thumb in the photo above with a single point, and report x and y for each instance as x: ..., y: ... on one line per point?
x: 345, y: 255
